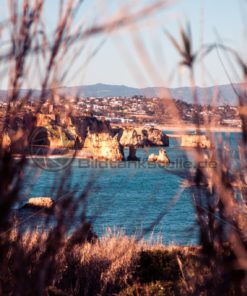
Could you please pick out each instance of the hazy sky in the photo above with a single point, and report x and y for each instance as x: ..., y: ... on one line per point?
x: 141, y: 55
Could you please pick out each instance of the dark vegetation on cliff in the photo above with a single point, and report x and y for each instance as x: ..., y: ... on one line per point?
x: 68, y: 261
x: 114, y: 265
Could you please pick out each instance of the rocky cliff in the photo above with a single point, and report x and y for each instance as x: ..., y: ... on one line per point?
x: 194, y: 141
x: 41, y: 130
x: 98, y: 139
x: 140, y: 137
x: 85, y: 125
x: 105, y: 142
x: 53, y: 132
x: 103, y: 146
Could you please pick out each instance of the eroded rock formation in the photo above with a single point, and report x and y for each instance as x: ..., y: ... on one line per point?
x: 140, y: 137
x: 40, y: 202
x: 155, y: 137
x: 57, y: 133
x: 85, y: 125
x: 160, y: 158
x: 130, y: 137
x: 27, y: 132
x: 103, y: 146
x: 98, y: 139
x: 194, y: 141
x: 152, y: 157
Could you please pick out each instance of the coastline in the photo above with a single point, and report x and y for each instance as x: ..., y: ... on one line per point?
x: 191, y: 128
x: 178, y: 131
x: 184, y: 128
x: 187, y: 128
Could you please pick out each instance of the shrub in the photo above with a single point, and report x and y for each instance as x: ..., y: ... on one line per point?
x: 158, y: 265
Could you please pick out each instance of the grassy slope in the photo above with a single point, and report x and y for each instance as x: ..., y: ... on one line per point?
x: 114, y: 265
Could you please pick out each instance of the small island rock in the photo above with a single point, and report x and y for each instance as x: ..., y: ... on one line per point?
x: 152, y: 157
x: 195, y: 141
x: 40, y: 202
x: 161, y: 158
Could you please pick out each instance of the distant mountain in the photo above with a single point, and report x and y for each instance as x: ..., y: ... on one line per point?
x: 206, y: 95
x: 226, y: 94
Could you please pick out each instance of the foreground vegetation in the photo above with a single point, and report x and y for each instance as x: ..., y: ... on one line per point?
x: 113, y: 265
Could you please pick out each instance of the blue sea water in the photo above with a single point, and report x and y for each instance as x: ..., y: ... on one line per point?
x: 133, y: 196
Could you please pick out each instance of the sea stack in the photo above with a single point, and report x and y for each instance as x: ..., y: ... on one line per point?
x: 195, y: 141
x: 160, y: 158
x: 40, y: 203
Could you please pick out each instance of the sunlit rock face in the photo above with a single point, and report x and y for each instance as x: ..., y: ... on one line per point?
x: 98, y: 139
x: 194, y: 141
x: 5, y: 141
x: 60, y: 131
x: 140, y: 137
x: 40, y: 202
x: 155, y: 137
x: 152, y: 157
x: 104, y: 142
x: 30, y: 130
x: 49, y: 134
x: 64, y: 132
x: 84, y: 125
x: 103, y: 146
x: 160, y: 158
x: 129, y: 137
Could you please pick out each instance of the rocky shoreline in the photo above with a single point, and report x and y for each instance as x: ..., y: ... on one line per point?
x: 54, y: 136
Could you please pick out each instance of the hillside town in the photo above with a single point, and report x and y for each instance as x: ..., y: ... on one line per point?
x: 139, y: 110
x: 152, y: 111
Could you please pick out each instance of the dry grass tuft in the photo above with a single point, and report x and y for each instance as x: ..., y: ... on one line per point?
x: 108, y: 266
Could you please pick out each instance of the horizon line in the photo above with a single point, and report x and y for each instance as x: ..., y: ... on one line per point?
x: 125, y: 85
